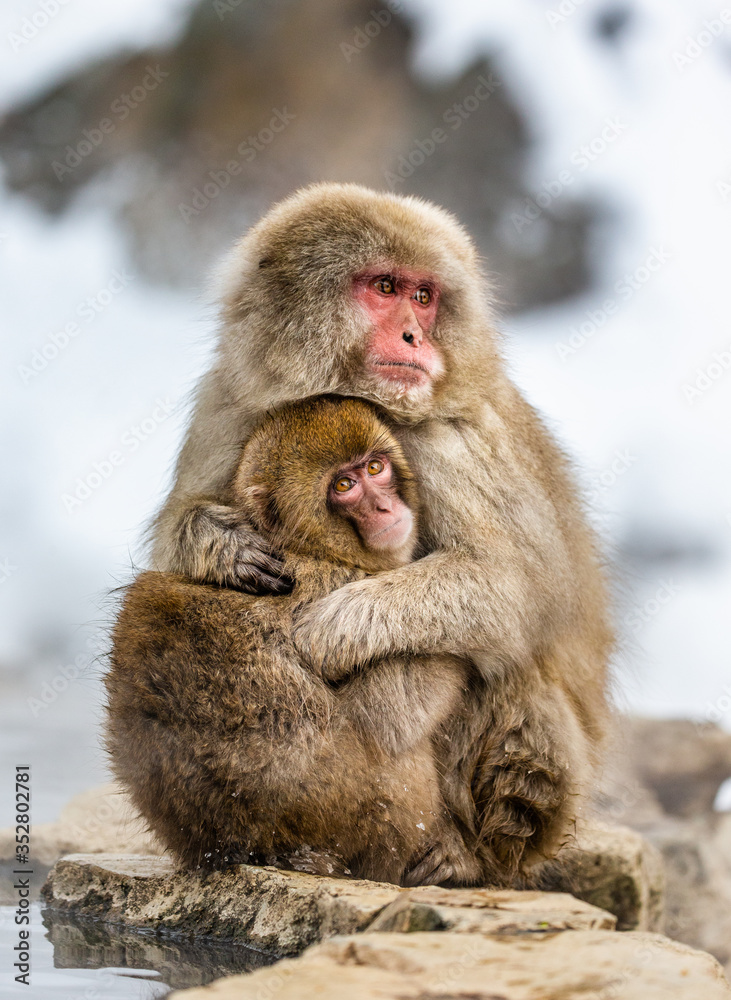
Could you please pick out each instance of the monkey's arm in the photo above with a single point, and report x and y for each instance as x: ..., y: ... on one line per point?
x: 447, y: 602
x: 195, y: 534
x: 404, y: 699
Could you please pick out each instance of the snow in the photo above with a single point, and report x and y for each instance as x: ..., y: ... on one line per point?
x: 98, y: 365
x: 44, y: 39
x: 106, y: 407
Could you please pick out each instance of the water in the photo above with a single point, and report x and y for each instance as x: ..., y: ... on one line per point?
x: 76, y: 959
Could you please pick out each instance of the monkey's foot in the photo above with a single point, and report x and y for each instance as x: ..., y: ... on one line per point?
x: 447, y: 864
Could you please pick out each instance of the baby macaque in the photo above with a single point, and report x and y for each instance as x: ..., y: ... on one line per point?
x: 231, y: 747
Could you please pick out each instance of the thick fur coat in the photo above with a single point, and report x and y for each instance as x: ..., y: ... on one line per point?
x: 507, y: 575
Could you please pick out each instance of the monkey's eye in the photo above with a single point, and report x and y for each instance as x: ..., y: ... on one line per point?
x: 385, y: 285
x: 374, y: 467
x: 344, y: 485
x: 423, y: 296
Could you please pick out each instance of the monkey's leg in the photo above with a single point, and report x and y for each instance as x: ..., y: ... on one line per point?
x: 344, y: 808
x: 398, y: 705
x: 409, y: 838
x: 527, y: 784
x: 365, y: 786
x: 322, y: 800
x: 314, y: 793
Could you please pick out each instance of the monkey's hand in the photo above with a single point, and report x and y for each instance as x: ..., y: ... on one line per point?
x: 255, y: 568
x: 343, y: 630
x: 218, y: 547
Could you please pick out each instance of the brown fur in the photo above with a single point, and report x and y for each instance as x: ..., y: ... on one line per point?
x: 233, y: 750
x: 509, y: 574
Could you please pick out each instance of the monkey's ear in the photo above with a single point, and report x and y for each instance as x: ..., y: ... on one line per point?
x: 265, y: 262
x: 261, y: 506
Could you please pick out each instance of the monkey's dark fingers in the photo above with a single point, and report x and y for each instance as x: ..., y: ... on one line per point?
x: 253, y: 580
x: 276, y: 584
x: 264, y: 560
x: 257, y: 563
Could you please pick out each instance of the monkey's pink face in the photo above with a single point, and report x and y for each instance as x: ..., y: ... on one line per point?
x: 402, y: 307
x: 365, y: 493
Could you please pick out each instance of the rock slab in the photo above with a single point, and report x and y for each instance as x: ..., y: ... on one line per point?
x: 284, y: 912
x: 611, y: 867
x: 568, y: 965
x: 488, y: 911
x: 369, y: 940
x: 272, y: 910
x: 616, y: 869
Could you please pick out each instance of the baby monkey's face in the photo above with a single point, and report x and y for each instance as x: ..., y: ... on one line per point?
x: 365, y: 493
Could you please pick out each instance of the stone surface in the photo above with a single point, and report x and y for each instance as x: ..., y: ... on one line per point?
x: 100, y: 820
x: 663, y: 767
x: 697, y: 856
x: 427, y: 943
x: 284, y: 912
x: 612, y: 868
x: 276, y: 911
x: 662, y: 780
x: 488, y: 911
x: 570, y: 965
x: 616, y: 869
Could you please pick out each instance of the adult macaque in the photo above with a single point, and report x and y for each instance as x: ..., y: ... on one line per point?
x: 342, y: 290
x: 230, y: 747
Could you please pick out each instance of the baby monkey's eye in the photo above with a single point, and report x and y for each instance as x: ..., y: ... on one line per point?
x: 385, y: 285
x: 374, y: 467
x: 344, y: 485
x: 423, y: 296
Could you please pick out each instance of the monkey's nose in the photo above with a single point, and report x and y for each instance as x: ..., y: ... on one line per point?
x: 410, y: 338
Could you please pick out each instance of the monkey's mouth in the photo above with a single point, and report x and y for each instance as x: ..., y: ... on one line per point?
x: 392, y: 535
x: 401, y: 364
x: 388, y: 527
x: 403, y: 371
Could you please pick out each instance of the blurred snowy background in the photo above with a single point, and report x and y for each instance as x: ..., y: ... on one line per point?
x: 585, y: 144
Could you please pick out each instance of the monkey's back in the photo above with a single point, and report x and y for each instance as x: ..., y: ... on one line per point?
x: 204, y: 685
x: 210, y: 645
